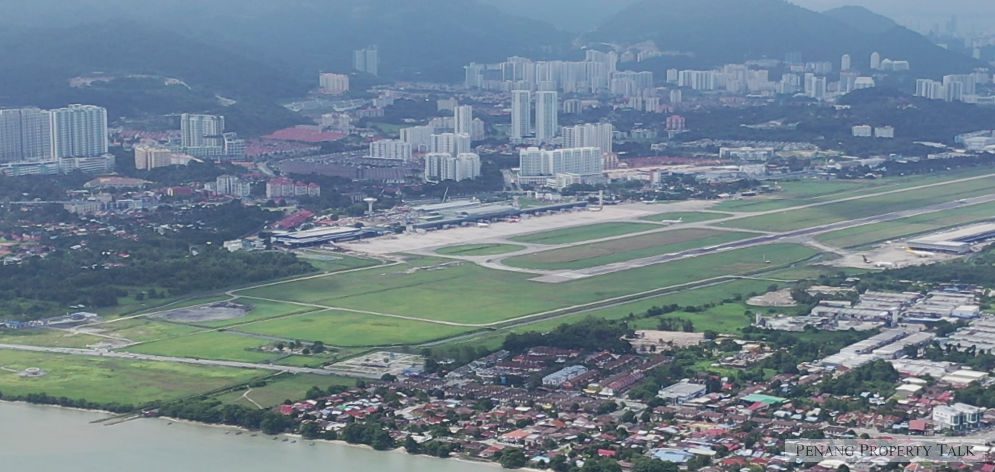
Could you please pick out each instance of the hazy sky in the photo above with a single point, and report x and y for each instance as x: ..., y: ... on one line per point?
x: 978, y: 15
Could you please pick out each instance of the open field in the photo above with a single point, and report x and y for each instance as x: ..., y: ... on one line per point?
x: 260, y: 310
x: 478, y: 249
x: 686, y: 216
x: 209, y: 345
x: 625, y: 249
x: 334, y: 262
x: 142, y: 330
x: 338, y: 328
x: 727, y: 318
x: 282, y: 387
x: 801, y: 192
x: 107, y: 380
x: 870, y: 206
x: 473, y: 294
x: 583, y: 233
x: 48, y: 337
x: 873, y: 233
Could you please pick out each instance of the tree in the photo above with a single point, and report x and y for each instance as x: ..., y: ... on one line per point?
x: 274, y: 423
x: 643, y: 464
x: 601, y: 464
x: 310, y: 430
x: 411, y: 446
x: 513, y: 459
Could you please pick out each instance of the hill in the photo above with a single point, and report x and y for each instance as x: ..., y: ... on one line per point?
x: 723, y: 31
x: 862, y: 19
x: 141, y: 69
x: 575, y: 16
x: 427, y: 39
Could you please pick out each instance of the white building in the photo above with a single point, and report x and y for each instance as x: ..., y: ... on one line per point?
x: 597, y: 135
x: 863, y: 131
x: 78, y: 131
x: 25, y: 135
x: 367, y: 60
x: 153, y: 157
x: 442, y: 166
x: 463, y: 120
x: 201, y: 130
x: 884, y: 132
x: 815, y: 86
x: 390, y: 149
x: 697, y: 79
x: 231, y: 185
x: 875, y: 61
x: 845, y: 63
x: 957, y: 417
x: 419, y: 137
x: 521, y: 114
x: 681, y: 392
x: 547, y: 116
x: 536, y: 163
x: 333, y: 84
x: 747, y: 153
x: 450, y: 143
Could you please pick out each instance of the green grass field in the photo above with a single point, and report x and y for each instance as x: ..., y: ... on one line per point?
x: 48, y: 337
x: 870, y: 206
x: 337, y: 262
x: 145, y: 330
x: 873, y: 233
x: 625, y: 249
x: 209, y: 345
x: 472, y: 294
x: 727, y: 318
x: 345, y: 329
x: 107, y: 380
x: 686, y: 216
x: 261, y: 310
x: 478, y: 249
x: 583, y: 233
x: 283, y: 387
x: 801, y: 192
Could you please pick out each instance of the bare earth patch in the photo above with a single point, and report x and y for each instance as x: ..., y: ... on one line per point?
x: 777, y: 298
x: 220, y: 311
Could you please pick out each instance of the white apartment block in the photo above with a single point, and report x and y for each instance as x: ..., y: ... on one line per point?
x: 390, y: 149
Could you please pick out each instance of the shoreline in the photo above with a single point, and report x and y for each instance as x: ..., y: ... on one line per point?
x: 215, y: 426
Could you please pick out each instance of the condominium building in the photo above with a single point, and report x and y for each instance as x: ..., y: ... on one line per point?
x: 390, y: 149
x: 78, y: 131
x: 231, y: 185
x: 547, y: 116
x: 333, y: 84
x: 419, y: 137
x: 450, y: 143
x: 25, y: 135
x: 201, y: 130
x: 597, y: 135
x: 153, y: 157
x: 282, y: 187
x: 463, y: 120
x: 582, y: 161
x: 521, y: 114
x: 367, y: 60
x: 442, y: 166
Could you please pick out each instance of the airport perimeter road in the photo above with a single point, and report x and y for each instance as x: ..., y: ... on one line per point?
x: 175, y: 360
